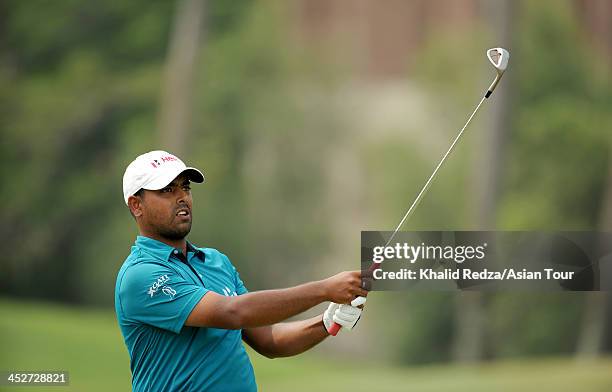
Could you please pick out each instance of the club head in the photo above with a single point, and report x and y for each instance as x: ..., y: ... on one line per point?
x: 499, y: 58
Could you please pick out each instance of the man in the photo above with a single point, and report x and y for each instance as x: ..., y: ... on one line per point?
x: 183, y: 310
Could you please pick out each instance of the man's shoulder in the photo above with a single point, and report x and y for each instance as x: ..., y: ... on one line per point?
x: 222, y: 256
x: 140, y: 264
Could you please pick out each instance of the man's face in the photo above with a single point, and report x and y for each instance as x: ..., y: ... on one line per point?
x: 167, y: 212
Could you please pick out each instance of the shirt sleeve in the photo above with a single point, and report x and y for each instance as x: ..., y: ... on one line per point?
x: 156, y: 295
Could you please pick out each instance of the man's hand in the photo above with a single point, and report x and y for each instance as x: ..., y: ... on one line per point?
x: 345, y: 315
x: 344, y: 287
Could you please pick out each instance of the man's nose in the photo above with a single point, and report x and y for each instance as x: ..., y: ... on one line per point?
x: 182, y: 196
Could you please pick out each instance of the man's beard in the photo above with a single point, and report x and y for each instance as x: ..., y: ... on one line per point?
x: 174, y: 233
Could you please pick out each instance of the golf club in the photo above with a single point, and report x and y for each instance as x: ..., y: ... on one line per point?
x: 499, y: 58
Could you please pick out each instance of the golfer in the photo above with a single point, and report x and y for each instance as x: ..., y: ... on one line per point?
x: 184, y: 312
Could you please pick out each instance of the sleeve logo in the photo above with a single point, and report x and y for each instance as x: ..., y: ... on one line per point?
x: 169, y: 291
x: 161, y: 283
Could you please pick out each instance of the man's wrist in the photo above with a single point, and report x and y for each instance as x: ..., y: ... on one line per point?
x: 320, y: 290
x: 323, y: 325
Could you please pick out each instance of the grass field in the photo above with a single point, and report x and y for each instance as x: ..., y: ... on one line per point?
x: 88, y: 344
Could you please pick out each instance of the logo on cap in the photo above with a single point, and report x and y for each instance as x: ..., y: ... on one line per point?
x: 167, y: 158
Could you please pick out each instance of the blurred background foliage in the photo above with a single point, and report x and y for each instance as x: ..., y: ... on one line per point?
x: 307, y: 134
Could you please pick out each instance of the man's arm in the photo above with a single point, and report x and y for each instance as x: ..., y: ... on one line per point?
x: 286, y: 339
x: 268, y: 307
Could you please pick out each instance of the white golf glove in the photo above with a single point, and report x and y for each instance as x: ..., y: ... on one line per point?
x: 345, y: 315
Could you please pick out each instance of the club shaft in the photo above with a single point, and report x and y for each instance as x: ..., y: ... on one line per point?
x: 428, y: 183
x: 335, y: 328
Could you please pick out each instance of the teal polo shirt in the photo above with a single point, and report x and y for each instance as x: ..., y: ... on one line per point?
x: 156, y: 290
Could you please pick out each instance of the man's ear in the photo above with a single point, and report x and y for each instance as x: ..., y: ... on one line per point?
x: 135, y: 205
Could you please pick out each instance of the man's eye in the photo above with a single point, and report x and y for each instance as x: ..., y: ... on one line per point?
x: 166, y: 190
x: 186, y: 188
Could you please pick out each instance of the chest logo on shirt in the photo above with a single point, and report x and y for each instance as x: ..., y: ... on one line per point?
x: 229, y: 293
x: 160, y: 283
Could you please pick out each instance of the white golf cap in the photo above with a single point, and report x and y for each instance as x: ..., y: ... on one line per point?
x: 154, y: 170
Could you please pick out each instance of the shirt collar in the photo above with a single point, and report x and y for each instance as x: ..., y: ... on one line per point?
x: 161, y: 250
x: 196, y: 251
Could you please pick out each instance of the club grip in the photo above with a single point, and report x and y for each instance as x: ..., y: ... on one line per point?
x: 334, y: 329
